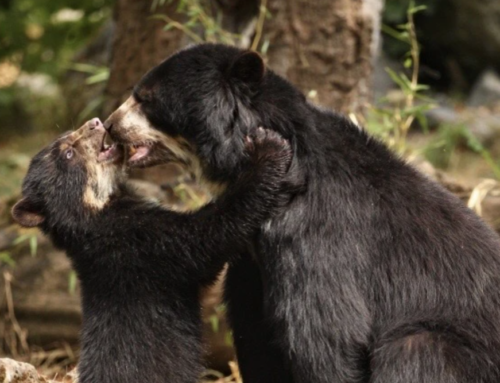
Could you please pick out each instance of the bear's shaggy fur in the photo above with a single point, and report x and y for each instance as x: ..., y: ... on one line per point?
x: 373, y: 274
x: 141, y: 266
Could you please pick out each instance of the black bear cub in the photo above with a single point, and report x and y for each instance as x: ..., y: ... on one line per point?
x: 141, y: 266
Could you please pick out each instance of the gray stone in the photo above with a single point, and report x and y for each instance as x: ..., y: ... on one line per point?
x: 482, y: 122
x: 486, y: 91
x: 442, y: 115
x: 485, y: 128
x: 12, y: 371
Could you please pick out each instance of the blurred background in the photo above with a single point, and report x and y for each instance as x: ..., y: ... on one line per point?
x: 423, y: 76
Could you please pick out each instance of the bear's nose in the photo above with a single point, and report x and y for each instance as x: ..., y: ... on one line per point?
x: 95, y: 123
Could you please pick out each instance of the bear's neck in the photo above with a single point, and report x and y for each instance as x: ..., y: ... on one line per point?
x: 70, y: 228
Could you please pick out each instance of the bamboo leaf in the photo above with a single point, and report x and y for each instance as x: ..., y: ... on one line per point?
x: 398, y: 79
x: 7, y: 259
x: 417, y: 9
x: 72, y: 282
x: 214, y: 321
x: 98, y: 77
x: 33, y: 245
x: 394, y: 33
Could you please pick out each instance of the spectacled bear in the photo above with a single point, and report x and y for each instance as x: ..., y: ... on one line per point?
x: 373, y: 274
x: 141, y: 266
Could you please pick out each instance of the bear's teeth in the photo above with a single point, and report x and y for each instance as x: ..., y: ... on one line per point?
x: 132, y: 150
x: 108, y: 141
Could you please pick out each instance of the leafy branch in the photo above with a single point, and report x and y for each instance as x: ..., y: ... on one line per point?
x: 393, y: 123
x: 197, y: 15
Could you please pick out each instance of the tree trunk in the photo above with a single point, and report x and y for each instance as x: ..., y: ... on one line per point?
x: 140, y: 43
x: 325, y: 47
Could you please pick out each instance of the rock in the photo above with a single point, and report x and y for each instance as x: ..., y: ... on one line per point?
x: 482, y: 122
x: 442, y: 115
x: 12, y: 371
x: 486, y: 90
x: 485, y: 128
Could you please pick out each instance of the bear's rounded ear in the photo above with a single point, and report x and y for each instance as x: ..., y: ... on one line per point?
x: 26, y: 214
x: 248, y: 67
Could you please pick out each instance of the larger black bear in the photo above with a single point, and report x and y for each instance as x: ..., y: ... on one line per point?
x: 373, y: 274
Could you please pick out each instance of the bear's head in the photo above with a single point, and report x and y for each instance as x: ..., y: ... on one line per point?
x: 196, y: 107
x: 70, y: 179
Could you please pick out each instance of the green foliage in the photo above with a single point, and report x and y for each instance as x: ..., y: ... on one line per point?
x: 42, y: 35
x: 229, y: 338
x: 449, y: 139
x: 396, y: 13
x: 72, y: 279
x: 38, y: 38
x: 214, y: 319
x: 189, y: 197
x: 6, y: 258
x: 31, y: 238
x: 392, y: 121
x: 26, y: 106
x: 96, y: 74
x: 220, y: 310
x: 198, y: 13
x: 204, y: 24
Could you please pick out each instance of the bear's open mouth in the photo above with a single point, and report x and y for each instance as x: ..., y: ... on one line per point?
x: 110, y: 151
x: 138, y: 152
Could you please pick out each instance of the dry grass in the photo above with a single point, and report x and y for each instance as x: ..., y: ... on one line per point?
x: 24, y: 372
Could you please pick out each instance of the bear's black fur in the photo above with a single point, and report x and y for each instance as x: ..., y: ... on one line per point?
x: 141, y: 266
x: 374, y: 274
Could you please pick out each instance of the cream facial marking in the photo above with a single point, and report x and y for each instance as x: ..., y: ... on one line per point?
x: 136, y: 130
x: 103, y: 178
x: 132, y: 127
x: 102, y: 182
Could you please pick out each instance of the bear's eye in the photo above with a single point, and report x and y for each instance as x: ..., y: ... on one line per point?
x: 68, y: 154
x: 140, y: 99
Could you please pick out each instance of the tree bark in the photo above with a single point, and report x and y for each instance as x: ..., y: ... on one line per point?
x: 140, y: 43
x: 325, y: 47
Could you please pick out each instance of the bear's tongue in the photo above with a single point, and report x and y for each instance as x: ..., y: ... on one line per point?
x: 136, y: 152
